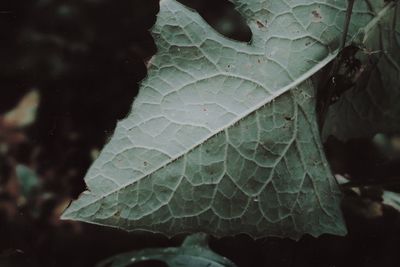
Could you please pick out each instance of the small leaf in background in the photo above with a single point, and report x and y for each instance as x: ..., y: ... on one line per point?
x: 24, y: 113
x: 392, y: 199
x: 12, y: 123
x: 388, y: 145
x: 194, y: 252
x: 28, y: 180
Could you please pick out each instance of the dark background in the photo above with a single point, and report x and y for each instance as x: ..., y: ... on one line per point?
x: 85, y: 58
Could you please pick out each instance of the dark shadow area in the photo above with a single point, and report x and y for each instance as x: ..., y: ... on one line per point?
x: 152, y: 263
x: 223, y: 17
x: 85, y: 58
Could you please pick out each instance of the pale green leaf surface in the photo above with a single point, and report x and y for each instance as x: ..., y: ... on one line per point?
x: 392, y: 199
x: 216, y: 141
x: 191, y: 253
x: 373, y: 104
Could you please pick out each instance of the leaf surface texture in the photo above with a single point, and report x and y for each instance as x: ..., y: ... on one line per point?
x: 222, y: 137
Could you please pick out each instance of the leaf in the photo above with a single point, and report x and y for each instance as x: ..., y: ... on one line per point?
x: 21, y: 116
x: 372, y: 105
x: 216, y: 141
x: 24, y: 113
x: 194, y: 252
x: 28, y: 180
x: 392, y: 199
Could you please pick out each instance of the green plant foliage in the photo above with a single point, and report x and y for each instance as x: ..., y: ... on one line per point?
x: 372, y: 105
x: 222, y: 137
x: 28, y: 180
x: 392, y: 199
x: 194, y: 252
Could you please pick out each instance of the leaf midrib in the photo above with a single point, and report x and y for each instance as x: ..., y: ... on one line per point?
x: 276, y: 94
x: 273, y: 96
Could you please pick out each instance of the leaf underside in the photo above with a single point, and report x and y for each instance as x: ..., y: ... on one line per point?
x: 222, y: 137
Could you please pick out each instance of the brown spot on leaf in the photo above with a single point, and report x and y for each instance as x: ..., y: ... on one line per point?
x: 260, y: 25
x: 288, y: 118
x: 316, y: 15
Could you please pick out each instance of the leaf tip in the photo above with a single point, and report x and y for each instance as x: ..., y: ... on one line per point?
x: 68, y: 214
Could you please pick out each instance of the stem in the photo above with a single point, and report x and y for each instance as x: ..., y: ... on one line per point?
x: 328, y: 83
x: 349, y: 12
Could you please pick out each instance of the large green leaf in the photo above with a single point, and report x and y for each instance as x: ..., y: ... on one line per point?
x: 194, y: 252
x: 373, y: 104
x: 217, y: 141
